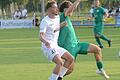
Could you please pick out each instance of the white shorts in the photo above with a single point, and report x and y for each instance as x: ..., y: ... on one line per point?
x: 50, y: 53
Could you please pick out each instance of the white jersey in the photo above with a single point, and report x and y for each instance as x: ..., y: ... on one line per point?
x: 51, y: 28
x: 91, y: 10
x: 17, y: 14
x: 24, y: 12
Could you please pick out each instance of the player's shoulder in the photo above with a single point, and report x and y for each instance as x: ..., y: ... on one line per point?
x: 58, y: 17
x: 62, y: 14
x: 45, y: 19
x: 101, y: 8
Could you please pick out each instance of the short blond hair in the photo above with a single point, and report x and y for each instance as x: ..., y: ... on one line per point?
x: 50, y: 3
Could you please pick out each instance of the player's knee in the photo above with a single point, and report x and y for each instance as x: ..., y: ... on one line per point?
x: 69, y: 58
x: 97, y: 36
x: 60, y: 63
x: 98, y: 49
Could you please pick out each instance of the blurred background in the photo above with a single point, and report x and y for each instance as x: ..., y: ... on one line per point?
x: 8, y: 8
x: 21, y: 57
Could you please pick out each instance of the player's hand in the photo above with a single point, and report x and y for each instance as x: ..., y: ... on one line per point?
x: 63, y: 24
x: 104, y: 20
x: 90, y: 17
x: 47, y: 44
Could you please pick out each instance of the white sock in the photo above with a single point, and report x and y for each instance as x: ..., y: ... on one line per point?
x: 53, y: 77
x: 63, y: 71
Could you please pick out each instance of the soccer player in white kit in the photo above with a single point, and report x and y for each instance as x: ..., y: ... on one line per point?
x: 49, y: 32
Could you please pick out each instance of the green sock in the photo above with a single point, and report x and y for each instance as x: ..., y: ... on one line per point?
x: 99, y: 65
x: 104, y: 38
x: 98, y: 41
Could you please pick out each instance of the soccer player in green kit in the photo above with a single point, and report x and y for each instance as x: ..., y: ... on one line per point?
x: 68, y: 40
x: 99, y: 14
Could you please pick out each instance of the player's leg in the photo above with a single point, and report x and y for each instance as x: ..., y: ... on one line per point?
x: 98, y: 56
x: 67, y: 63
x: 98, y: 30
x: 97, y: 38
x: 57, y: 54
x: 81, y: 48
x: 68, y: 60
x: 59, y: 63
x: 103, y: 37
x: 100, y: 33
x: 70, y: 70
x: 97, y: 53
x: 53, y: 55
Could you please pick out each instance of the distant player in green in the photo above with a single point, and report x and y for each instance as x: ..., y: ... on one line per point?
x: 99, y: 13
x: 68, y: 40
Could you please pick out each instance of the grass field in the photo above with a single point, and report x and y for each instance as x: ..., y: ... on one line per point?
x: 21, y: 57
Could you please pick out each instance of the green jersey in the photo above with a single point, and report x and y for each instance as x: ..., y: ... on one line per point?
x: 67, y: 38
x: 98, y: 14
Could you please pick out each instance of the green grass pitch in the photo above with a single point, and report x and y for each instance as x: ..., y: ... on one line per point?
x: 21, y: 57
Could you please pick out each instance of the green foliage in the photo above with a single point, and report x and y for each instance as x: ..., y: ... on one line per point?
x: 4, y: 3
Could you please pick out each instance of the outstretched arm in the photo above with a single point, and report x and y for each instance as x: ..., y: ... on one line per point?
x: 73, y: 6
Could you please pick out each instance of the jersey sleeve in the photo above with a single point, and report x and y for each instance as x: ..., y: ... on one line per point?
x: 92, y: 14
x: 43, y: 26
x: 62, y: 36
x: 103, y: 10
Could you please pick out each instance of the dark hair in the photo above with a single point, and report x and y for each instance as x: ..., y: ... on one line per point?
x: 49, y: 4
x: 64, y: 5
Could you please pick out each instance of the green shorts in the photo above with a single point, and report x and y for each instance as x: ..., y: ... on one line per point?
x: 98, y: 28
x: 80, y: 48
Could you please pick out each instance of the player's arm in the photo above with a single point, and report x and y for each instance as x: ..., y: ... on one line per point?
x: 73, y: 6
x: 105, y: 12
x: 90, y: 16
x: 63, y: 24
x: 43, y: 27
x: 106, y: 15
x: 42, y: 39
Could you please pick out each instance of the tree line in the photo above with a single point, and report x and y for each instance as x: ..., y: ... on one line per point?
x: 35, y: 5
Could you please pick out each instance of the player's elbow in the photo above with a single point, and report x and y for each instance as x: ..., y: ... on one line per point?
x: 40, y: 36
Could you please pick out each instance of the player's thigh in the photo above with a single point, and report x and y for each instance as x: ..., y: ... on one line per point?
x: 50, y: 53
x: 83, y: 48
x: 93, y: 48
x: 65, y: 54
x: 58, y: 60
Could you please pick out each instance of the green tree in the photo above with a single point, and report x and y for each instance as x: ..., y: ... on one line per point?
x: 3, y: 5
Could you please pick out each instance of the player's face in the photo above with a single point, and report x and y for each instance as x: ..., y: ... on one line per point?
x: 97, y: 3
x: 54, y: 9
x: 70, y: 4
